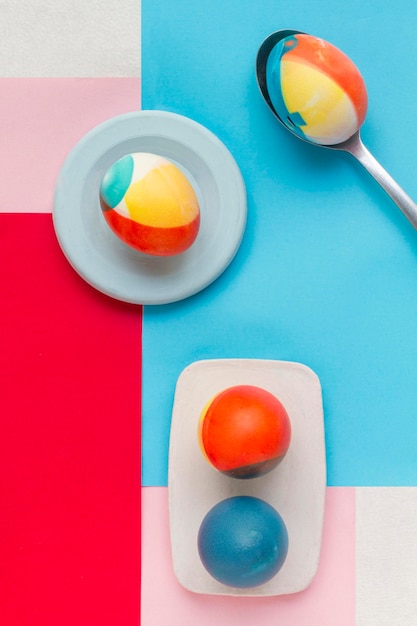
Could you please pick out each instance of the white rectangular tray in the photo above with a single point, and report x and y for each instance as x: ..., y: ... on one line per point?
x: 296, y: 488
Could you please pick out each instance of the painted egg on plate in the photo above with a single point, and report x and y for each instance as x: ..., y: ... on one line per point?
x: 150, y: 204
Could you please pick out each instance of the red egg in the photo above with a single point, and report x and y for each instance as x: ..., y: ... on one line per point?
x: 244, y: 431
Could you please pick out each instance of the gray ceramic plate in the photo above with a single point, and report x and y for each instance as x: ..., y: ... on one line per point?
x: 106, y: 262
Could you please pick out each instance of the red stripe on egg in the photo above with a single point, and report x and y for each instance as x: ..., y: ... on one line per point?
x: 150, y: 239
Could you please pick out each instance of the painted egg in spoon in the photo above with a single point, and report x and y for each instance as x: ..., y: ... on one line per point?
x: 315, y: 89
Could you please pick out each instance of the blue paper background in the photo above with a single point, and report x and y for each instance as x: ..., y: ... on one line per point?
x: 327, y: 271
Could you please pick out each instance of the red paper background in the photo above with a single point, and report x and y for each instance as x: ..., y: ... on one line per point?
x: 70, y: 363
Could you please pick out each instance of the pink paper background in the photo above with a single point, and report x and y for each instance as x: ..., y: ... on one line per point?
x: 41, y: 119
x: 329, y: 600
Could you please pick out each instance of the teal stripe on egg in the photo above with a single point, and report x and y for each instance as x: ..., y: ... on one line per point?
x: 292, y: 119
x: 116, y: 181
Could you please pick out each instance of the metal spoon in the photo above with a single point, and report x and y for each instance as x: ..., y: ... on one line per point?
x: 353, y: 145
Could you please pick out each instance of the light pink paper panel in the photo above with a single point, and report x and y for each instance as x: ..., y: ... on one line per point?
x: 329, y: 600
x: 41, y: 120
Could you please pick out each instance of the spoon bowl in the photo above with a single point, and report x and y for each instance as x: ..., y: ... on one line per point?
x: 352, y: 144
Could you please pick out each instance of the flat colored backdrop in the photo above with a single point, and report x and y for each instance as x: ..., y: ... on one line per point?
x: 327, y: 272
x: 69, y: 433
x: 326, y: 275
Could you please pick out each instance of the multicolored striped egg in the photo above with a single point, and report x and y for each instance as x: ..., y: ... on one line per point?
x: 316, y: 90
x: 150, y: 204
x: 244, y: 431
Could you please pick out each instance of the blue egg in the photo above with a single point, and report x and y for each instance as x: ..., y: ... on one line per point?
x: 243, y: 542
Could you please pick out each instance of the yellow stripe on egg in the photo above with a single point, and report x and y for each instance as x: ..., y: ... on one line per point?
x: 328, y: 111
x: 163, y: 198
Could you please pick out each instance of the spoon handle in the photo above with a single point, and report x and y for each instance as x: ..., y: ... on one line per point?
x: 356, y: 148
